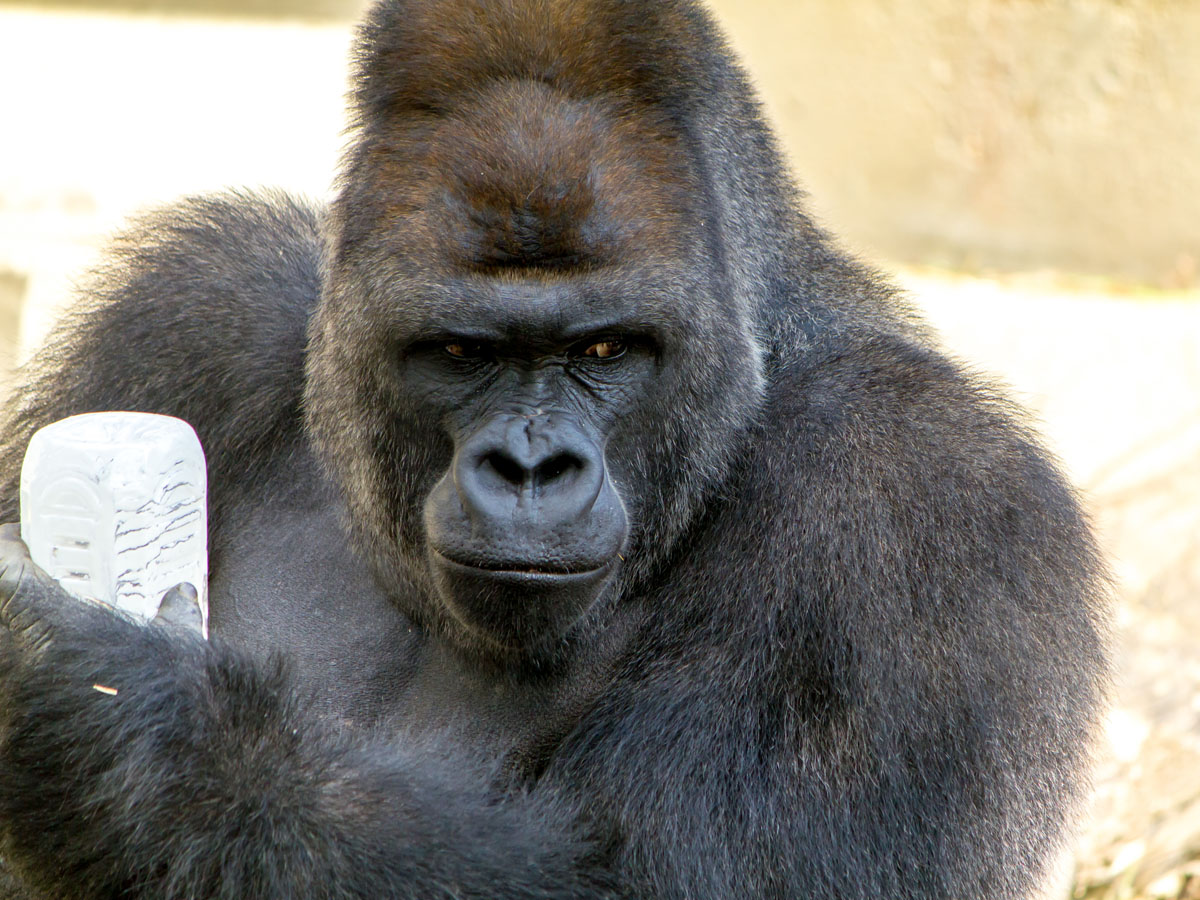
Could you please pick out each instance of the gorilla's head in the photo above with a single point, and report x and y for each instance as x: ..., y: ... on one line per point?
x: 527, y: 370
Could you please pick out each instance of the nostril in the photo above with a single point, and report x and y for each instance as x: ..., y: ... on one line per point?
x: 506, y: 467
x: 556, y: 467
x: 544, y: 473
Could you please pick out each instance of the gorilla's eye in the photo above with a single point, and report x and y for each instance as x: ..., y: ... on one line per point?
x: 464, y: 349
x: 608, y: 349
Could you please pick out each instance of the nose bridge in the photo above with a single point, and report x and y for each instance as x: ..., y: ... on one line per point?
x: 536, y: 379
x: 529, y: 437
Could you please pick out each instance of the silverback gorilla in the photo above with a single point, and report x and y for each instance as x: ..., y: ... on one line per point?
x: 584, y: 523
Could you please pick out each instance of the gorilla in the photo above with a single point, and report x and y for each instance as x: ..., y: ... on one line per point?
x: 584, y: 522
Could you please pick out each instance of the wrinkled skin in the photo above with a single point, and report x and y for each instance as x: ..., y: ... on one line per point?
x: 583, y: 523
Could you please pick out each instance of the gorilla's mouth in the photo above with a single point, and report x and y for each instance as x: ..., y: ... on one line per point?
x: 518, y: 604
x: 541, y: 569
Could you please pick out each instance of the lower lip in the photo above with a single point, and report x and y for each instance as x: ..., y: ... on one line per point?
x: 516, y: 576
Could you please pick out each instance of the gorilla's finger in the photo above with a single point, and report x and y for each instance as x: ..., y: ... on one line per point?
x: 180, y: 608
x: 33, y: 605
x: 28, y: 596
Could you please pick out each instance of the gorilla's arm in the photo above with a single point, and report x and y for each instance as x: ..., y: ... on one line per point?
x: 143, y: 762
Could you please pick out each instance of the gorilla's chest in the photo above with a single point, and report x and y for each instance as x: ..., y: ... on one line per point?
x: 284, y: 581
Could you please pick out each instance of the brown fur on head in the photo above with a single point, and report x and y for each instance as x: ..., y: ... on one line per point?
x: 522, y: 177
x: 424, y: 55
x: 496, y: 134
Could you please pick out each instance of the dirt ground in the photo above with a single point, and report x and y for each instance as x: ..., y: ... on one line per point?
x: 1114, y: 378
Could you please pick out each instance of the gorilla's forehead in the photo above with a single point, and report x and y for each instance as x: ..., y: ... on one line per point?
x: 522, y: 176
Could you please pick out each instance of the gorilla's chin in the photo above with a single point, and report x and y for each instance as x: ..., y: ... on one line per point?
x: 517, y: 608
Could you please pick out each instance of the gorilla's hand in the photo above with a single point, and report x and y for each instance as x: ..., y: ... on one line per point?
x: 33, y: 606
x: 76, y: 679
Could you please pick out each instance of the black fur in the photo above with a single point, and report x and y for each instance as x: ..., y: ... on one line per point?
x: 854, y: 646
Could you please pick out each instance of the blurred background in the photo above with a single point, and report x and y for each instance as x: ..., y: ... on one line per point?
x: 1028, y: 169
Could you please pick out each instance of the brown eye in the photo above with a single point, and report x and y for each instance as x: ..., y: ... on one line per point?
x: 605, y: 349
x: 463, y: 349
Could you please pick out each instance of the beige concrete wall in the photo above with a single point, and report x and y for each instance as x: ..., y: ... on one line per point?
x: 105, y: 113
x: 1008, y: 133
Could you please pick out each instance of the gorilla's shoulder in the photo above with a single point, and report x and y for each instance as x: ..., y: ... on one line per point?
x: 199, y: 310
x: 891, y: 408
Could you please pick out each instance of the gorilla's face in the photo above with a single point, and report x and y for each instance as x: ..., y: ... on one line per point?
x: 517, y: 446
x: 526, y: 372
x: 526, y: 525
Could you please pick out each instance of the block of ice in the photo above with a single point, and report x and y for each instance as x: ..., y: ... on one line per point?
x: 113, y: 506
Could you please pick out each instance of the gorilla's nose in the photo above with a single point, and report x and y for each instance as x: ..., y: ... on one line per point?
x: 527, y: 493
x: 545, y: 467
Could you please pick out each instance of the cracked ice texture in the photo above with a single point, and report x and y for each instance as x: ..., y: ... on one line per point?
x: 113, y: 507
